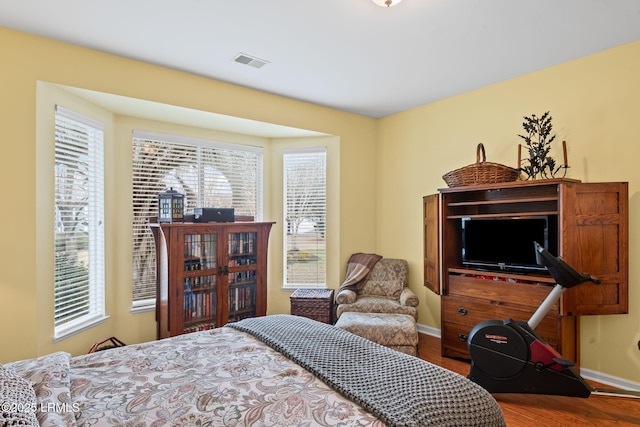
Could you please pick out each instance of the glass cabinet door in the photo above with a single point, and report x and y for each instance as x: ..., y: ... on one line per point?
x: 242, y: 277
x: 200, y: 282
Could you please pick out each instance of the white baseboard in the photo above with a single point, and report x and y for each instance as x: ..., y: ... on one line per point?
x: 588, y: 374
x: 609, y: 380
x: 434, y: 332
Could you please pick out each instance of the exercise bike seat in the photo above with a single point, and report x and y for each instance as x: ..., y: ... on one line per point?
x: 562, y: 272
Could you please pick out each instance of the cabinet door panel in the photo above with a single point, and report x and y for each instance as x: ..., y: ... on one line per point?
x: 595, y: 240
x: 431, y: 224
x: 196, y: 280
x: 246, y: 258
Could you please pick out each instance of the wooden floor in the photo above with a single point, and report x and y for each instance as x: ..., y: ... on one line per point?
x: 522, y: 410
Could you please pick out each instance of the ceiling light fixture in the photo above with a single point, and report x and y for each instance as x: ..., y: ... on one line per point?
x: 386, y: 3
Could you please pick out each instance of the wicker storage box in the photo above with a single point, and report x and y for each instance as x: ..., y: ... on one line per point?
x: 316, y: 304
x: 482, y: 172
x: 106, y: 344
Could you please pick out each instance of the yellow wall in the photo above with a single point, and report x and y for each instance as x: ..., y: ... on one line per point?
x: 595, y: 104
x: 26, y: 232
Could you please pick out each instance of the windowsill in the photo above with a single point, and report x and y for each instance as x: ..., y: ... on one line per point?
x: 143, y: 306
x: 304, y: 286
x: 66, y: 331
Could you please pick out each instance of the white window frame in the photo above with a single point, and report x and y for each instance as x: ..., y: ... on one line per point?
x: 317, y: 159
x: 207, y: 152
x: 78, y: 136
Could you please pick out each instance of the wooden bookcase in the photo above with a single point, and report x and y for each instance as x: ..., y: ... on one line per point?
x: 592, y: 230
x: 209, y: 274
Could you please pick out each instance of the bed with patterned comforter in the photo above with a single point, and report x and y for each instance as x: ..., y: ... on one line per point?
x: 270, y: 371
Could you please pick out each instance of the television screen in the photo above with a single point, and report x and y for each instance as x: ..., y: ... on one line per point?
x: 506, y: 243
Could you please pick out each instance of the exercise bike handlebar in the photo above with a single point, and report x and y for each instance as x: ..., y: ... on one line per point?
x: 565, y: 277
x: 562, y: 272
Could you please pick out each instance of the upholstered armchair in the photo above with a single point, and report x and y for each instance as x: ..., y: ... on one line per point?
x: 384, y: 290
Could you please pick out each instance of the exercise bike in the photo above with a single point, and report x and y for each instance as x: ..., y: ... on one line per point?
x: 507, y: 356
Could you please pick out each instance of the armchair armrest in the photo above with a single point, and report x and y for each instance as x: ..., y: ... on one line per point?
x: 408, y: 298
x: 346, y: 296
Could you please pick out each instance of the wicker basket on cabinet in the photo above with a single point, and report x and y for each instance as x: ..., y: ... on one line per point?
x: 481, y: 172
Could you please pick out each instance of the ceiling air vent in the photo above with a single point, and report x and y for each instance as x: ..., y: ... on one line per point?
x: 250, y: 60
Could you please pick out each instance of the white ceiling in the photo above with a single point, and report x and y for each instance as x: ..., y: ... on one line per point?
x: 346, y: 54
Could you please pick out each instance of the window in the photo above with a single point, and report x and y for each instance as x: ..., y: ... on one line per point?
x: 305, y: 189
x: 208, y: 173
x: 79, y: 229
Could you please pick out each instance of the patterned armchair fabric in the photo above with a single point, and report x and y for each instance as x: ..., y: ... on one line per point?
x: 383, y: 291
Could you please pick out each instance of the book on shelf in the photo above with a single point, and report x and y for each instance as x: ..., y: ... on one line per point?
x: 242, y: 243
x: 241, y: 298
x: 199, y: 305
x: 248, y: 276
x: 192, y: 264
x: 204, y: 326
x: 198, y: 283
x: 199, y: 252
x: 241, y: 261
x: 235, y: 317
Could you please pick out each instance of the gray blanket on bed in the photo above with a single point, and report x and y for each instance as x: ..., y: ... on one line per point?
x: 399, y: 389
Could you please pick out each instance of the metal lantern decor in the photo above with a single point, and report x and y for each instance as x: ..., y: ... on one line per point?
x: 170, y: 206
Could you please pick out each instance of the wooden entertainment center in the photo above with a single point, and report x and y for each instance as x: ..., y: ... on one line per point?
x: 592, y: 233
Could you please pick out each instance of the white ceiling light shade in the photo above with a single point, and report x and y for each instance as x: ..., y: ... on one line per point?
x: 386, y: 3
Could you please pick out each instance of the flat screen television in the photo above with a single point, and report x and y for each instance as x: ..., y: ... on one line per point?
x: 507, y: 243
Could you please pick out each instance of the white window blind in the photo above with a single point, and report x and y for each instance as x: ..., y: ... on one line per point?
x: 305, y: 200
x: 79, y: 222
x: 208, y: 173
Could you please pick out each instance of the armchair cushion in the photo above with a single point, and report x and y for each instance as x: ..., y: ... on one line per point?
x: 368, y: 304
x: 387, y: 278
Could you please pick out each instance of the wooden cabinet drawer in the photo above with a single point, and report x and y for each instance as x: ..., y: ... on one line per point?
x: 454, y: 340
x: 469, y: 312
x: 461, y: 314
x: 455, y: 335
x: 527, y: 294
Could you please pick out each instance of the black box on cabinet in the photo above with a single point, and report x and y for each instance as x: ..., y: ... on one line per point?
x: 213, y: 215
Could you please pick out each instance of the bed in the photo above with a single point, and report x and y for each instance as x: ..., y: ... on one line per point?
x: 277, y: 370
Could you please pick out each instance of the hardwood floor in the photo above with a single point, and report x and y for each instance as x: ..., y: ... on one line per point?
x: 526, y: 410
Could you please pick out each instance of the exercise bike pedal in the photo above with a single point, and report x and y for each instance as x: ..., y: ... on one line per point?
x: 563, y: 362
